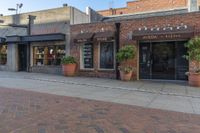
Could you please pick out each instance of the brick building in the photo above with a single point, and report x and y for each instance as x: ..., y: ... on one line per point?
x: 143, y: 6
x: 159, y: 38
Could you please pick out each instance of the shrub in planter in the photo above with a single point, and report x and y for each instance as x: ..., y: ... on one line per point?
x: 193, y: 55
x: 126, y: 53
x: 68, y: 65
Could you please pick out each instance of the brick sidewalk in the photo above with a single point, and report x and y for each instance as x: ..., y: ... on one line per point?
x: 31, y: 112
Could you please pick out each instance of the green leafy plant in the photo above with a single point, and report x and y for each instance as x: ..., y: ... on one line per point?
x: 126, y: 53
x: 193, y: 53
x: 68, y: 60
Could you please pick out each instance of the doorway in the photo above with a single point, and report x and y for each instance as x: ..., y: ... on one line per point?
x: 163, y: 60
x: 22, y: 48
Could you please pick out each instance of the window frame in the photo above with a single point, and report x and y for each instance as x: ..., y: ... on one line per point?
x: 44, y: 46
x: 81, y: 57
x: 6, y: 54
x: 114, y: 56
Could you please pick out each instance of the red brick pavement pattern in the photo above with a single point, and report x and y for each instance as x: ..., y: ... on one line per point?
x: 31, y: 112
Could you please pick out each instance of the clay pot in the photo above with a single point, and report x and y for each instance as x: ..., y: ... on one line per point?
x: 194, y: 79
x: 69, y: 69
x: 125, y: 76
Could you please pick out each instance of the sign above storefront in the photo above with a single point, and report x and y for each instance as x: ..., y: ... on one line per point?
x: 166, y: 33
x: 171, y: 36
x: 84, y: 37
x: 104, y: 36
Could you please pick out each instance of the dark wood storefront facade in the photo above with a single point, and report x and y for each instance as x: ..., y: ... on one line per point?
x: 159, y: 40
x: 162, y: 51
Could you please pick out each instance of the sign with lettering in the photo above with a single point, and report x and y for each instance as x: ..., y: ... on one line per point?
x: 163, y: 36
x: 81, y: 40
x: 88, y: 55
x: 105, y: 39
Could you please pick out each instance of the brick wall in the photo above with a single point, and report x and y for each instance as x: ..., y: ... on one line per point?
x: 75, y: 48
x: 191, y: 19
x: 146, y: 6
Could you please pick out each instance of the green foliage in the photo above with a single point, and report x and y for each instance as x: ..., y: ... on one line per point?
x: 126, y: 53
x: 68, y: 60
x: 193, y: 46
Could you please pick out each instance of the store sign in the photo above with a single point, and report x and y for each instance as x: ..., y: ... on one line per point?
x: 80, y: 40
x: 105, y: 39
x: 88, y: 55
x: 168, y: 32
x: 163, y: 36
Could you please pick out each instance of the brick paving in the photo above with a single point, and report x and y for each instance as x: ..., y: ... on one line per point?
x: 31, y: 112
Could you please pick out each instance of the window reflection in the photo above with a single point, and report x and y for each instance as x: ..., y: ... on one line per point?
x: 107, y: 55
x: 48, y: 55
x: 3, y: 54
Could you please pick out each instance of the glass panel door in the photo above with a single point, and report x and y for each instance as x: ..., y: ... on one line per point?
x: 163, y: 60
x: 145, y: 61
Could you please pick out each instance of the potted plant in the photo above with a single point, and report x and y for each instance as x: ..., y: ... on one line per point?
x: 193, y: 55
x: 126, y: 53
x: 68, y: 65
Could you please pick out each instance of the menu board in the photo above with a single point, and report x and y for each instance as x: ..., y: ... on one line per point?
x: 88, y: 55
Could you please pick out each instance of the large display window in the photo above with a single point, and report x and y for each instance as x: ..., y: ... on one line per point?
x: 106, y: 55
x: 3, y: 54
x: 48, y: 55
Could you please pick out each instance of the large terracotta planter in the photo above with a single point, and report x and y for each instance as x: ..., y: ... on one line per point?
x: 125, y: 76
x: 194, y: 79
x: 69, y: 69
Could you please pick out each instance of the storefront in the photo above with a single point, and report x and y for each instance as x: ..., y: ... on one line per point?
x: 36, y: 53
x: 100, y: 46
x: 159, y: 40
x: 162, y: 50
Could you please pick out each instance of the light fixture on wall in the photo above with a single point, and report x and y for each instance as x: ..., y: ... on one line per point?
x: 182, y: 26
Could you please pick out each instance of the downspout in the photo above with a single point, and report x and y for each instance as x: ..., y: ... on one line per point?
x: 117, y: 43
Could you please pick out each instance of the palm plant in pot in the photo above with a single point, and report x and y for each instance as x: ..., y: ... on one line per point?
x: 193, y: 55
x: 68, y: 65
x: 126, y: 53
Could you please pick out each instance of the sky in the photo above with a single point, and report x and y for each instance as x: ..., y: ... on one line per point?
x: 34, y: 5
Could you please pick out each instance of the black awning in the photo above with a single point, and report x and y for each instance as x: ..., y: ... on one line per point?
x: 84, y: 37
x: 2, y: 40
x: 36, y: 38
x: 13, y: 39
x: 174, y: 34
x: 45, y: 37
x: 104, y: 36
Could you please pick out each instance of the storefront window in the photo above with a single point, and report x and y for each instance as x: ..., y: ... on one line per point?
x: 107, y: 55
x: 3, y: 54
x: 87, y: 56
x: 48, y: 55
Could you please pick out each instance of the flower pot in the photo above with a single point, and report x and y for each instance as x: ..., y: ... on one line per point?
x: 69, y: 69
x: 194, y: 79
x: 125, y: 76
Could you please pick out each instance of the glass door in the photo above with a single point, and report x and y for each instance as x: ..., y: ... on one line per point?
x: 22, y: 48
x: 145, y: 61
x: 163, y: 60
